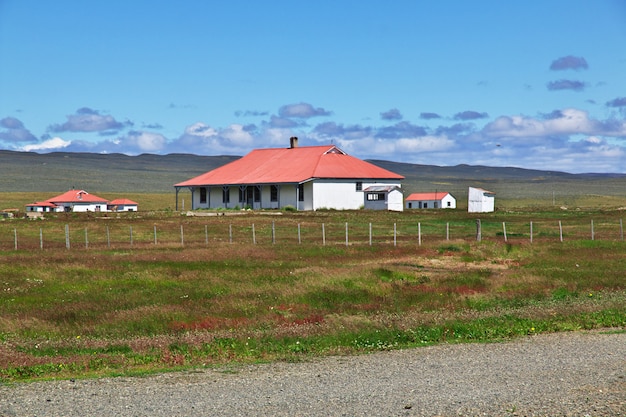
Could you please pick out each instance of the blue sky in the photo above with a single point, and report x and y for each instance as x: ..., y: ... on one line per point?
x: 533, y: 84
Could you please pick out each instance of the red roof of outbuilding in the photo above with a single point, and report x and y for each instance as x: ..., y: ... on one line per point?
x: 122, y: 202
x: 427, y: 196
x: 291, y: 165
x: 77, y: 196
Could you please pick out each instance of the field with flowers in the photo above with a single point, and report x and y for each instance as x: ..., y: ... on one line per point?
x: 87, y: 295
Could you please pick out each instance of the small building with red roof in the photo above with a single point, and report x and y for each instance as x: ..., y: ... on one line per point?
x: 122, y: 204
x: 77, y: 201
x: 306, y: 178
x: 436, y: 200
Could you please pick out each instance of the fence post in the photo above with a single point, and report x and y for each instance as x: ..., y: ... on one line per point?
x: 40, y: 238
x: 86, y: 239
x: 593, y: 235
x: 395, y: 235
x: 621, y: 229
x: 504, y: 230
x: 299, y: 235
x: 15, y: 237
x: 182, y: 236
x: 206, y: 234
x: 323, y: 235
x: 253, y: 235
x: 419, y: 233
x: 478, y: 230
x: 346, y: 233
x: 273, y: 232
x: 230, y: 233
x: 155, y: 235
x: 531, y: 232
x: 67, y: 236
x: 560, y: 231
x: 448, y: 231
x: 131, y: 235
x: 370, y: 234
x: 108, y: 238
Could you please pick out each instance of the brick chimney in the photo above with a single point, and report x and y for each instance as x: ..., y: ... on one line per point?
x: 293, y: 142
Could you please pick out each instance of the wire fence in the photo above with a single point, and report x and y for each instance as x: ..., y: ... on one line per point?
x: 95, y: 235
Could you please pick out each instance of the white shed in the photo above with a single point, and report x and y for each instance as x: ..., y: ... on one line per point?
x: 480, y: 201
x: 383, y: 197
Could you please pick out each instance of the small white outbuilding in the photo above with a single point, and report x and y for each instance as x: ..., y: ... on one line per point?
x: 480, y: 201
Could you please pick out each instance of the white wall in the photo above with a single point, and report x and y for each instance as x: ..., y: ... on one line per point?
x: 342, y: 194
x: 479, y: 201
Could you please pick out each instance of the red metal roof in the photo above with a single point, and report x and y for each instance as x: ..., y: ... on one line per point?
x: 122, y: 202
x: 291, y: 165
x: 76, y: 196
x: 427, y: 196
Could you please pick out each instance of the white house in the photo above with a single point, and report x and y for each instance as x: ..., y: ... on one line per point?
x: 383, y: 197
x: 480, y: 201
x: 78, y: 201
x: 306, y: 178
x: 434, y: 200
x: 72, y: 200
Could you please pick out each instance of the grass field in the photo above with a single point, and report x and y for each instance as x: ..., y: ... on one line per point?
x: 154, y: 291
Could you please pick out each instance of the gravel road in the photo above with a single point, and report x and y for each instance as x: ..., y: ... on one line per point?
x: 565, y: 374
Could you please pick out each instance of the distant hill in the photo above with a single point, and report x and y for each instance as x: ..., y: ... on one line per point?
x: 148, y: 173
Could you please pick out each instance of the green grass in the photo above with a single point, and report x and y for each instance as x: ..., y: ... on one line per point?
x: 123, y: 309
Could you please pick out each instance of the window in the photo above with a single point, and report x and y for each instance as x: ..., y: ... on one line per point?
x: 449, y: 204
x: 359, y: 186
x: 300, y: 192
x: 257, y: 194
x: 376, y: 196
x: 274, y: 193
x: 202, y: 195
x: 225, y: 195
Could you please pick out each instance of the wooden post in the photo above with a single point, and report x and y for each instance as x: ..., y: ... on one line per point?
x: 273, y: 232
x: 395, y: 235
x: 621, y: 229
x: 531, y: 232
x: 478, y: 230
x: 15, y: 237
x: 108, y: 238
x: 323, y: 235
x: 299, y: 235
x: 155, y: 235
x: 206, y: 235
x: 86, y: 239
x: 370, y: 234
x: 40, y: 238
x: 230, y: 233
x: 593, y: 235
x: 253, y: 235
x: 346, y: 233
x: 67, y: 236
x: 448, y: 231
x: 131, y: 235
x: 560, y: 231
x: 419, y: 234
x: 504, y: 231
x: 182, y: 236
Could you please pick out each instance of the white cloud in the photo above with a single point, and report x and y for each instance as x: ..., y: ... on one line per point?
x: 570, y: 121
x: 236, y: 135
x: 50, y: 144
x: 147, y: 141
